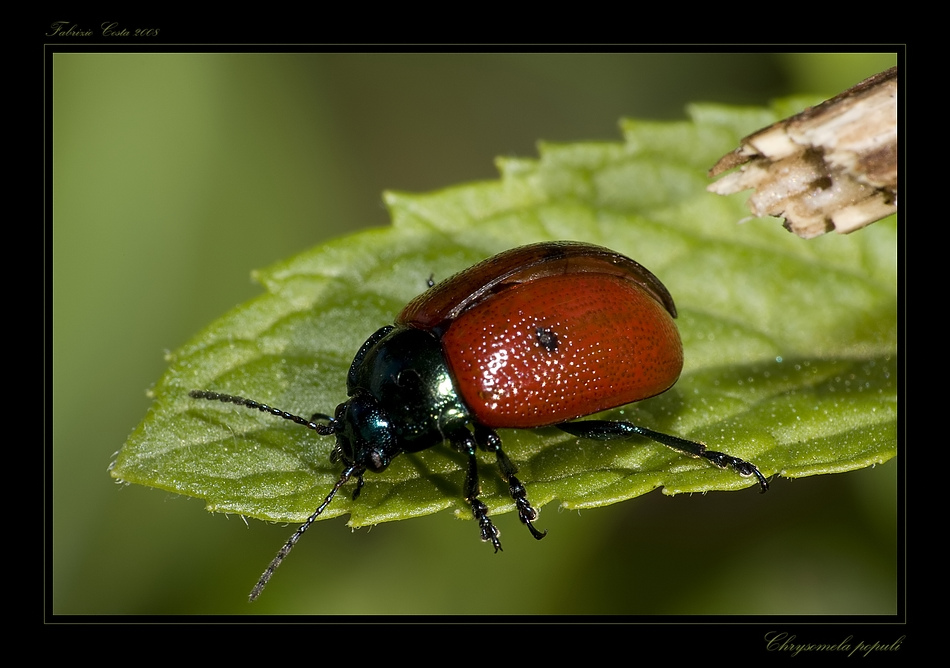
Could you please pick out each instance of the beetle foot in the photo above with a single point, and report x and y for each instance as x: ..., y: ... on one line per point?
x: 526, y: 513
x: 534, y: 532
x: 740, y: 466
x: 489, y: 531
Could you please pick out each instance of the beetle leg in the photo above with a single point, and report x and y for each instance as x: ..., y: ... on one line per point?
x: 465, y: 443
x: 603, y: 430
x: 359, y: 486
x: 490, y: 441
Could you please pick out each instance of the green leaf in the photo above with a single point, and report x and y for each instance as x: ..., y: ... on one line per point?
x: 790, y: 345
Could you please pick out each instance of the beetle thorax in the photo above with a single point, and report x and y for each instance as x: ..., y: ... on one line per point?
x: 401, y: 390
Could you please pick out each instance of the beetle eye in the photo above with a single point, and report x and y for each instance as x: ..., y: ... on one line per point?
x: 375, y: 461
x: 367, y: 437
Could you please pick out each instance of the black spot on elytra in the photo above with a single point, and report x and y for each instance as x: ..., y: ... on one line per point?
x: 547, y: 339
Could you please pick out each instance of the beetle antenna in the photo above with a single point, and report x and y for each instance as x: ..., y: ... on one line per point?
x: 289, y: 545
x: 322, y: 429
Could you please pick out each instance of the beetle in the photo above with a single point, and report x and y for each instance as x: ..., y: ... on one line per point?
x: 536, y: 336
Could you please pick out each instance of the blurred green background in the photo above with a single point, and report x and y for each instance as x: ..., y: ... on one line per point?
x: 175, y: 175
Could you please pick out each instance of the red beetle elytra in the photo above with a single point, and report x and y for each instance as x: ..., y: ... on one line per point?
x: 533, y: 337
